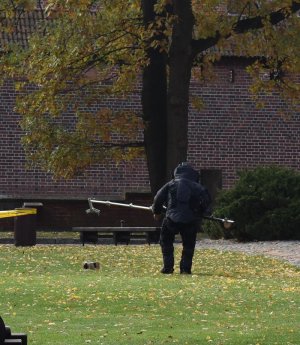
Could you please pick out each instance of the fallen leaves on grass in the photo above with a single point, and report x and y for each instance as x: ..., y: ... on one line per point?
x: 229, y: 297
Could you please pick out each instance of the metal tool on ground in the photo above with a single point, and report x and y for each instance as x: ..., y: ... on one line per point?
x: 227, y: 223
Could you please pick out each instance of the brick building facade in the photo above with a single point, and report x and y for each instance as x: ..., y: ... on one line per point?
x: 229, y: 134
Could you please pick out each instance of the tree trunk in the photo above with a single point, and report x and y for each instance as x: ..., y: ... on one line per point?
x: 180, y: 66
x: 154, y: 98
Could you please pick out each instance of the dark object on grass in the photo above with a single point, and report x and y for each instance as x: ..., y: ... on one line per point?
x: 90, y: 265
x: 7, y: 337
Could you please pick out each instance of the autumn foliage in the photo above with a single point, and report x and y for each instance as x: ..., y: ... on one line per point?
x: 91, y: 51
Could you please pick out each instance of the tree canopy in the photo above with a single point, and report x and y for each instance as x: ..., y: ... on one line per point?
x: 91, y: 50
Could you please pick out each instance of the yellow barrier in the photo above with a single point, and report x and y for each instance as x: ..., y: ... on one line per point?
x: 17, y: 212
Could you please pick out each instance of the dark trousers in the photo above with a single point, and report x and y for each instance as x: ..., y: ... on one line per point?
x: 188, y: 233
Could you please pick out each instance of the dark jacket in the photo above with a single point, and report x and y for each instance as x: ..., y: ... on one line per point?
x: 184, y: 197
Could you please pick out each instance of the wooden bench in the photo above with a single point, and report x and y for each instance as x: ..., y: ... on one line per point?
x: 121, y: 234
x: 8, y: 338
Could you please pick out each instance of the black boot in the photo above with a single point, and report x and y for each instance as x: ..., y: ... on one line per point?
x: 167, y: 270
x: 186, y: 261
x: 185, y: 271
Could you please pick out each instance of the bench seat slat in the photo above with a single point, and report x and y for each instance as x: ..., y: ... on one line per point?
x: 116, y: 229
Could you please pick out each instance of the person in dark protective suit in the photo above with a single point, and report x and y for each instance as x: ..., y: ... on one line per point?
x: 185, y: 200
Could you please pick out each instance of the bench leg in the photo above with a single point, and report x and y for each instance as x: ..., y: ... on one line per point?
x: 88, y: 236
x: 121, y: 237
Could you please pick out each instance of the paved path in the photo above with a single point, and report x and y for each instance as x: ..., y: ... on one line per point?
x: 285, y: 250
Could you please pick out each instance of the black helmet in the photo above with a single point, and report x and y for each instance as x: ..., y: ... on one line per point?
x: 185, y: 170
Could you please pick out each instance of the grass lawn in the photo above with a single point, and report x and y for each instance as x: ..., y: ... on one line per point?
x: 231, y: 298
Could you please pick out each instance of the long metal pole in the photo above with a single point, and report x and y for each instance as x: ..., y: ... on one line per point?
x: 111, y: 203
x: 227, y: 223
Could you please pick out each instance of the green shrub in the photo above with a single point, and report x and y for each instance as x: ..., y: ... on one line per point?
x: 213, y: 229
x: 265, y: 203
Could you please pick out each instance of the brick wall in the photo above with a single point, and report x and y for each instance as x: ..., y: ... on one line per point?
x: 18, y: 181
x: 228, y: 134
